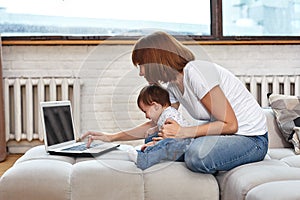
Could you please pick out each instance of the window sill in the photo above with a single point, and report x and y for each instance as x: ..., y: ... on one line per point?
x: 187, y: 40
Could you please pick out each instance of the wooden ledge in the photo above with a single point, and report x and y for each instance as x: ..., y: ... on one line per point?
x: 132, y: 42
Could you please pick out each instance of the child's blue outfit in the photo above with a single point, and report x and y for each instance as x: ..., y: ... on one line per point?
x: 166, y: 149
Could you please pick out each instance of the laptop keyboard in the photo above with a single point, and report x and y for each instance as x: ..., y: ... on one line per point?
x: 80, y: 147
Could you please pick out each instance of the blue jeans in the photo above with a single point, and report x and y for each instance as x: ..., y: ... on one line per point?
x: 166, y: 149
x: 210, y: 154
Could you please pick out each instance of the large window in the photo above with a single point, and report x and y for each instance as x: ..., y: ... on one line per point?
x: 111, y: 17
x: 261, y: 17
x: 218, y: 20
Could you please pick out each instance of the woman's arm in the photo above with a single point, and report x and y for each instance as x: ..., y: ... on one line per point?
x: 175, y: 105
x: 217, y: 104
x: 138, y: 132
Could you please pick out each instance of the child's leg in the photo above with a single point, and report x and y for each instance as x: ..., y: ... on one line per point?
x: 167, y: 149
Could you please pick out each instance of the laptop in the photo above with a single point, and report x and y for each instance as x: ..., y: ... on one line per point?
x: 59, y: 132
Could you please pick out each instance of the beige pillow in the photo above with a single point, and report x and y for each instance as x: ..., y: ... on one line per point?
x: 287, y: 113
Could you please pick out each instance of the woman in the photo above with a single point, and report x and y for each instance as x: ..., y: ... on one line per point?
x: 235, y: 132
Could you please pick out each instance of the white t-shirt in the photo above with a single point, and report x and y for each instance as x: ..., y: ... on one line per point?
x: 171, y: 113
x: 200, y: 77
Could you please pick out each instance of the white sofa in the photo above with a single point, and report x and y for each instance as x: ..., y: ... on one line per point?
x: 37, y: 175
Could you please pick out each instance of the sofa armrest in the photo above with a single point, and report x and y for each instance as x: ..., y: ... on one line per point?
x: 276, y: 140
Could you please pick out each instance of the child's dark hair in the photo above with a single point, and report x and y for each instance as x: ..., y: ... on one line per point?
x: 153, y: 93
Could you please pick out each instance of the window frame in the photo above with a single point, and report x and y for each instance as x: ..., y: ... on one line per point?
x: 216, y: 36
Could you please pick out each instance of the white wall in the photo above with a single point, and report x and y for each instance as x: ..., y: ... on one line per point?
x: 111, y: 82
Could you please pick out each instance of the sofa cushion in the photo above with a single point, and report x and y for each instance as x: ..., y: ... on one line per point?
x: 93, y: 180
x: 236, y: 183
x: 37, y: 179
x: 276, y: 190
x: 172, y: 180
x: 38, y: 175
x: 287, y: 113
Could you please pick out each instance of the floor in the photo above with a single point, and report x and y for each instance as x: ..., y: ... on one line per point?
x: 10, y: 160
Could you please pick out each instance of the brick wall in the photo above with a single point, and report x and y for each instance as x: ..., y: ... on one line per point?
x: 111, y: 83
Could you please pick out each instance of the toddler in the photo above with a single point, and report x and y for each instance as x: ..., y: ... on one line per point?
x: 154, y: 101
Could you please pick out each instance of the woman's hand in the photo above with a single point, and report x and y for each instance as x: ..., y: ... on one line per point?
x: 91, y: 136
x: 171, y: 129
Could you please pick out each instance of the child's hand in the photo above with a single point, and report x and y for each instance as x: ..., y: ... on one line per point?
x: 156, y: 139
x: 148, y: 145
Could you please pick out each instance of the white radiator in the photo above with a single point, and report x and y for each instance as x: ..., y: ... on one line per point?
x: 260, y: 86
x: 22, y: 97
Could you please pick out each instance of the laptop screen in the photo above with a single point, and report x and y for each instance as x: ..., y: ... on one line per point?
x: 58, y: 124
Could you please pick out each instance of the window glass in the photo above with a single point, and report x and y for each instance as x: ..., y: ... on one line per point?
x: 261, y: 17
x: 111, y: 17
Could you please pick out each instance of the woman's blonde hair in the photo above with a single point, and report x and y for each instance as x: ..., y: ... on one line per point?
x: 162, y: 55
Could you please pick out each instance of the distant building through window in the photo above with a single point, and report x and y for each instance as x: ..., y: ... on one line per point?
x: 261, y: 17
